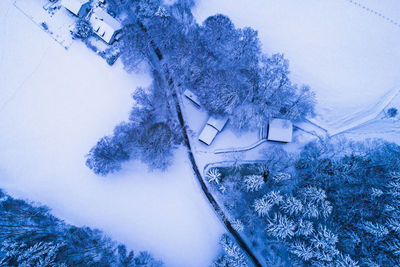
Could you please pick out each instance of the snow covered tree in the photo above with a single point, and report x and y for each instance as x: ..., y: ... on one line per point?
x: 156, y: 146
x: 376, y: 192
x: 313, y: 194
x: 106, y: 156
x: 253, y: 183
x: 394, y: 247
x: 346, y: 261
x: 304, y: 228
x: 277, y: 96
x: 324, y: 238
x: 392, y: 112
x: 237, y: 225
x: 213, y: 175
x: 393, y: 224
x: 314, y: 202
x: 232, y: 256
x: 301, y: 250
x: 263, y: 205
x: 291, y: 206
x: 83, y: 29
x: 145, y: 259
x: 311, y: 210
x: 360, y: 181
x: 376, y: 229
x: 31, y: 236
x: 281, y: 176
x: 280, y: 226
x: 133, y: 47
x: 39, y: 254
x: 150, y: 135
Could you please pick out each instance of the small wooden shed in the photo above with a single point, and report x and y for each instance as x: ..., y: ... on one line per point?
x: 280, y: 130
x: 211, y: 129
x: 192, y: 97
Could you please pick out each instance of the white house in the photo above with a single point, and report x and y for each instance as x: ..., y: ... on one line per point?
x: 79, y: 8
x: 212, y: 128
x: 105, y: 26
x: 192, y: 97
x: 280, y: 130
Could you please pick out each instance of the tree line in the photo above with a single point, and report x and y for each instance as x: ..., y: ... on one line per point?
x: 31, y: 236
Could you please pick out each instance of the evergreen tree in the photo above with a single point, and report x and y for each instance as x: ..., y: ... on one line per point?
x: 377, y: 230
x: 253, y: 183
x: 304, y: 228
x: 291, y: 206
x: 301, y: 250
x: 280, y: 226
x: 214, y: 175
x: 232, y: 256
x: 263, y: 205
x: 41, y: 254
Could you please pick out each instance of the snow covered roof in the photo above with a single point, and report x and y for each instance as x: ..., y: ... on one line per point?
x: 104, y: 25
x: 74, y: 5
x: 280, y: 130
x: 217, y: 123
x: 208, y: 134
x: 192, y: 97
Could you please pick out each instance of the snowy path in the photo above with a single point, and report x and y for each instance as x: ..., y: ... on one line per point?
x: 388, y: 130
x: 71, y: 99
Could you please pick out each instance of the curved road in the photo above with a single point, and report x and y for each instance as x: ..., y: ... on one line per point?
x: 207, y: 193
x: 163, y: 77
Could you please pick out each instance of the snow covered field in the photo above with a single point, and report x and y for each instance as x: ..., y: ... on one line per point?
x: 54, y: 106
x: 347, y: 54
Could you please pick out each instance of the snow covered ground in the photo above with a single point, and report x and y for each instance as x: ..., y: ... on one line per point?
x: 348, y: 54
x: 54, y: 105
x: 229, y: 139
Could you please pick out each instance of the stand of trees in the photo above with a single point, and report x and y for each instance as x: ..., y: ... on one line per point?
x: 31, y: 236
x: 223, y: 65
x: 233, y: 77
x: 339, y: 205
x: 150, y: 135
x: 362, y: 181
x: 231, y: 255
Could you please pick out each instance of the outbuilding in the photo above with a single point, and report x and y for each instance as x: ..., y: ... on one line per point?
x: 79, y: 8
x: 192, y: 97
x: 280, y: 130
x: 104, y: 25
x: 211, y: 129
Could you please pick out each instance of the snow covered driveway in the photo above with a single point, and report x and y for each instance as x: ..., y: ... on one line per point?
x: 348, y: 54
x: 54, y: 106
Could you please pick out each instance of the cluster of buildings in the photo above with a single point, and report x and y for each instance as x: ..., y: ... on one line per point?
x: 103, y: 24
x: 107, y: 28
x: 277, y: 130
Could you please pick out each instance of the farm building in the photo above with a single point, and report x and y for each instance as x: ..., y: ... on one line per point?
x: 280, y: 130
x: 212, y: 128
x: 192, y: 97
x: 105, y: 26
x: 79, y: 8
